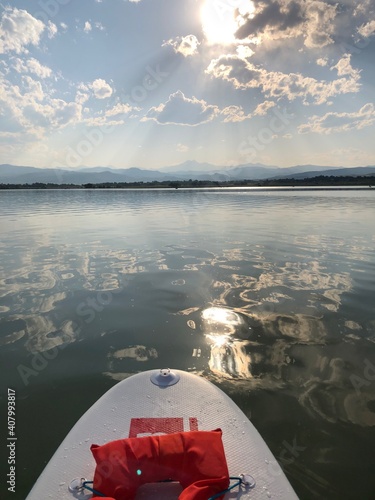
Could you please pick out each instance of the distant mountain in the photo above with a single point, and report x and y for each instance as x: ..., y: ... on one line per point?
x: 255, y: 171
x: 335, y: 171
x: 191, y: 166
x: 13, y: 171
x: 29, y: 175
x: 11, y: 174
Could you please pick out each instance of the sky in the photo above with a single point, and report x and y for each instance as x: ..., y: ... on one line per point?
x: 153, y: 83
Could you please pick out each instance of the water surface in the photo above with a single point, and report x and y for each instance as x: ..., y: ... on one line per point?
x: 269, y: 294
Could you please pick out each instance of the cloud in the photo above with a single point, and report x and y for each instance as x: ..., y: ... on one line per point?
x: 65, y: 112
x: 185, y: 45
x: 322, y: 61
x: 56, y: 113
x: 272, y: 16
x: 98, y: 25
x: 102, y: 121
x: 263, y: 107
x: 244, y: 51
x: 344, y: 67
x: 29, y: 109
x: 233, y: 114
x: 33, y: 88
x: 31, y: 66
x: 101, y: 89
x: 368, y: 29
x: 320, y: 24
x: 182, y: 148
x: 87, y: 28
x: 81, y: 97
x: 51, y: 29
x: 121, y: 109
x: 340, y: 122
x: 181, y: 110
x: 244, y: 75
x: 278, y: 19
x: 18, y: 29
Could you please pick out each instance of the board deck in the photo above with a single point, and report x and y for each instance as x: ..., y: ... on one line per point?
x: 138, y: 407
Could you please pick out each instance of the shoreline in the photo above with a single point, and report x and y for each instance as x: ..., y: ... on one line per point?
x: 318, y: 182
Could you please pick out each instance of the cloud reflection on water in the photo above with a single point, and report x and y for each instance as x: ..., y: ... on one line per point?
x: 261, y: 306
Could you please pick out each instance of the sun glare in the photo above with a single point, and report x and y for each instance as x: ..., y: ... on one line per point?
x: 219, y: 21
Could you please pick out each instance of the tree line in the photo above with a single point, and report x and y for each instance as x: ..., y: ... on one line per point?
x: 319, y: 180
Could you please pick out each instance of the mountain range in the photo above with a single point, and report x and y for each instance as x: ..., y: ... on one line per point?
x: 12, y: 174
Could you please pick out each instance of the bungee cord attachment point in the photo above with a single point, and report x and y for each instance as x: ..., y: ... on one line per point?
x: 81, y: 483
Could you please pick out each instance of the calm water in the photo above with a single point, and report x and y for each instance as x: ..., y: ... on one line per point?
x: 269, y: 294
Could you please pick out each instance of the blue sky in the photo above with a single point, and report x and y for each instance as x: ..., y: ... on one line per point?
x: 158, y: 82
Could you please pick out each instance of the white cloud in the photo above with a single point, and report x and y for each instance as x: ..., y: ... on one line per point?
x: 244, y: 75
x: 52, y: 29
x: 181, y: 110
x: 182, y: 148
x: 87, y: 27
x: 121, y: 109
x: 344, y: 67
x: 29, y: 109
x: 263, y: 107
x: 102, y: 121
x: 81, y: 97
x: 31, y: 65
x: 322, y: 61
x: 185, y: 45
x: 244, y: 51
x: 368, y: 29
x: 233, y: 114
x: 18, y: 29
x: 340, y: 122
x: 101, y: 88
x: 98, y: 25
x: 33, y: 88
x: 65, y: 112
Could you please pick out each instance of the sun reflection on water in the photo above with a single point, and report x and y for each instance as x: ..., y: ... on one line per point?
x: 228, y: 356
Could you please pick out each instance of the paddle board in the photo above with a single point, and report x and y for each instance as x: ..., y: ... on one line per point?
x: 161, y: 402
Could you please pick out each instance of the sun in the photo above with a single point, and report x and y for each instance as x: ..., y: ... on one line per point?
x: 220, y: 19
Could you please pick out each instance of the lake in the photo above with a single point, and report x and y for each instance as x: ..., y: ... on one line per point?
x: 269, y: 294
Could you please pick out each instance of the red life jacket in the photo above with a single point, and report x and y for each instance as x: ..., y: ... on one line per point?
x: 195, y: 459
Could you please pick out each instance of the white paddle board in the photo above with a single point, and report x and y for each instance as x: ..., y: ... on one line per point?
x: 155, y: 402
